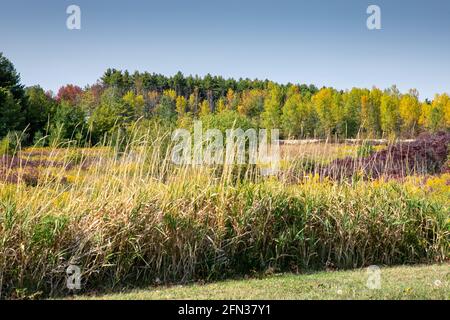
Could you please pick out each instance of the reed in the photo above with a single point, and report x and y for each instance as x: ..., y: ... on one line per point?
x: 127, y: 215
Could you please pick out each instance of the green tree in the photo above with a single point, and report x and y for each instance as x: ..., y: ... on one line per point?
x: 11, y: 117
x: 436, y: 116
x: 68, y: 123
x: 110, y: 115
x: 389, y: 114
x: 133, y: 105
x: 374, y: 112
x: 410, y: 111
x: 10, y: 79
x: 370, y: 122
x: 294, y: 115
x: 324, y: 102
x: 352, y: 110
x: 271, y: 116
x: 40, y: 110
x: 226, y: 120
x: 12, y: 98
x: 339, y: 114
x: 165, y: 110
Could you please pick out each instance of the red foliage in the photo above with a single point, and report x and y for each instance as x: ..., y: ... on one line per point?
x: 69, y: 93
x: 427, y: 155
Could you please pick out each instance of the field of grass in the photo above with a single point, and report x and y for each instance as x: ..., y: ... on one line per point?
x: 126, y: 215
x: 413, y: 282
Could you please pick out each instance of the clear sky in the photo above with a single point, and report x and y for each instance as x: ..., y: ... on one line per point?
x: 323, y: 42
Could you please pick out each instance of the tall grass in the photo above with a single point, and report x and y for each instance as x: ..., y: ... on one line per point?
x: 126, y: 215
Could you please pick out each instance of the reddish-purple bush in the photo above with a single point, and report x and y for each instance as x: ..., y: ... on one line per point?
x: 29, y: 176
x: 14, y: 169
x: 426, y: 155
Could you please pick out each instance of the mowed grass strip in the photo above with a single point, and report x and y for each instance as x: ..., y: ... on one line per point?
x: 398, y: 283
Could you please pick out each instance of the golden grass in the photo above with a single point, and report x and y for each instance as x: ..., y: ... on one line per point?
x: 125, y: 214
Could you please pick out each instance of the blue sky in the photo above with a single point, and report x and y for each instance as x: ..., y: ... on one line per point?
x: 325, y: 43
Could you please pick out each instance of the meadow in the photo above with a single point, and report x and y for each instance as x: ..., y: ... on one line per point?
x: 94, y: 202
x: 128, y: 217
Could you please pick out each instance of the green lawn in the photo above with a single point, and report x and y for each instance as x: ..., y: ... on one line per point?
x: 419, y: 282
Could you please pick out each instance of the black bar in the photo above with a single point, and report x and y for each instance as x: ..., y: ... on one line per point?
x: 197, y: 310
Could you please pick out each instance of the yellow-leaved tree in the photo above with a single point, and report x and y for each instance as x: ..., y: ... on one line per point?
x: 170, y: 93
x: 325, y: 105
x: 271, y: 116
x: 251, y: 103
x: 291, y: 119
x: 389, y: 112
x: 232, y: 100
x: 410, y: 111
x: 134, y: 104
x: 439, y: 113
x: 181, y: 105
x: 204, y: 108
x: 221, y: 106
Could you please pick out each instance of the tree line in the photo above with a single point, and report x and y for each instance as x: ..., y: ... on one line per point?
x: 120, y: 99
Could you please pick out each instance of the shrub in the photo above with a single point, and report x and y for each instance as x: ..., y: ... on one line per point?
x: 227, y: 120
x: 365, y: 150
x: 11, y: 143
x: 39, y: 139
x: 5, y: 146
x: 427, y: 155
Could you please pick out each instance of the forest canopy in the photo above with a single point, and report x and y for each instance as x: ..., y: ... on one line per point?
x: 120, y: 99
